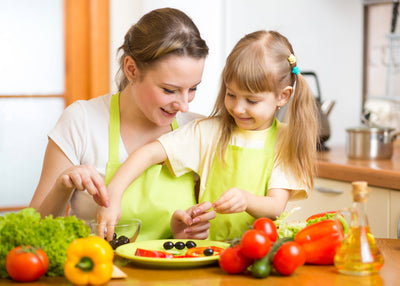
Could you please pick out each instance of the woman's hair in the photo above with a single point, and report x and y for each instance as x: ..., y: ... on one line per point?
x: 159, y: 33
x: 259, y: 63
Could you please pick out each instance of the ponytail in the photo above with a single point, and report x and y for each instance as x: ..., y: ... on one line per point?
x: 296, y: 142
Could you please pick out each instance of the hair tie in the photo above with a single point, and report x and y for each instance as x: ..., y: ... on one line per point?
x: 292, y: 59
x: 296, y: 70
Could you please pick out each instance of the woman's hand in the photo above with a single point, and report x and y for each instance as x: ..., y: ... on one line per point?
x: 192, y: 223
x: 86, y: 178
x: 233, y: 200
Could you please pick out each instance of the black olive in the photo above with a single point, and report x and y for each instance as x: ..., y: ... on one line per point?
x: 168, y: 245
x: 208, y: 252
x: 190, y: 244
x: 114, y: 243
x: 114, y: 235
x: 179, y: 245
x: 123, y: 240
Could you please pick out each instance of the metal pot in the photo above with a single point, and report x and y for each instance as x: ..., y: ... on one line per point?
x: 370, y: 142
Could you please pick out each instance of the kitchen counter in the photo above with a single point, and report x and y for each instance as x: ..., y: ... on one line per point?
x: 334, y: 164
x: 214, y: 276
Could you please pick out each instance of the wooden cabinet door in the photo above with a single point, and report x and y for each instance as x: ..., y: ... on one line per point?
x: 332, y: 195
x: 394, y: 214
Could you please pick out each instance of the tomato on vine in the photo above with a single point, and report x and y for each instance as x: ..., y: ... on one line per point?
x: 255, y: 244
x: 232, y: 260
x: 288, y: 258
x: 267, y: 226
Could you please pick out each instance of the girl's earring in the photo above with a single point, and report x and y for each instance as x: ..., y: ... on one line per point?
x: 279, y: 107
x: 131, y: 82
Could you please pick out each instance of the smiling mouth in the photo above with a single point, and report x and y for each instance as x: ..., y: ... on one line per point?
x: 168, y: 112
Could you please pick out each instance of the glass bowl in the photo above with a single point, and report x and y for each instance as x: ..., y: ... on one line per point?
x: 126, y: 229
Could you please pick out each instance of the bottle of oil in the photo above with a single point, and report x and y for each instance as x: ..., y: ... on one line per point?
x: 358, y: 254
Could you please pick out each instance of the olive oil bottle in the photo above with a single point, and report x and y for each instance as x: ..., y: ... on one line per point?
x: 358, y: 254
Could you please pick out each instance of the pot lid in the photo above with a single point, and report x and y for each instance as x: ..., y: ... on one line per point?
x: 370, y: 129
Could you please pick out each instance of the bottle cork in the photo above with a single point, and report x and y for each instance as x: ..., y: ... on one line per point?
x: 360, y: 191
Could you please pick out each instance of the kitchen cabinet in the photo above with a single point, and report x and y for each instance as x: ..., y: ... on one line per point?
x: 383, y: 205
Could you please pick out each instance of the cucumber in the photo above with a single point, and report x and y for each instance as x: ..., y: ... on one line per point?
x: 262, y: 267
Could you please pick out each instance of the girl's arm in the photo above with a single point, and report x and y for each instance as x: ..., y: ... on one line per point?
x: 135, y: 165
x: 131, y: 169
x: 236, y: 200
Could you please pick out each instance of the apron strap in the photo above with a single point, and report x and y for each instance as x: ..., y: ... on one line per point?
x: 271, y: 136
x: 114, y: 129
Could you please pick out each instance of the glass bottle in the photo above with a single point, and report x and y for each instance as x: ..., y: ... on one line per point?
x: 358, y: 254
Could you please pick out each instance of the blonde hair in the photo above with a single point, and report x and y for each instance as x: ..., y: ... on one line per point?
x: 159, y: 33
x: 259, y: 63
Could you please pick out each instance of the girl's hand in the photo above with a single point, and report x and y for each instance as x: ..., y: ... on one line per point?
x: 108, y: 217
x: 192, y: 223
x: 233, y: 200
x: 86, y: 178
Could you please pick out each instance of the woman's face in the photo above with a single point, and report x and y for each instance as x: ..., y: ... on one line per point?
x: 167, y: 88
x: 251, y: 111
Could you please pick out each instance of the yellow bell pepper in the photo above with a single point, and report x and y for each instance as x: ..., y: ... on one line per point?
x: 89, y: 261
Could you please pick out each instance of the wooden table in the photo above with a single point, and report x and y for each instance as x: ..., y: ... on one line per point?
x: 214, y: 276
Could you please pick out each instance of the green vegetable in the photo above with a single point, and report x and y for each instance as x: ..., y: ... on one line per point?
x: 262, y: 267
x: 288, y: 229
x: 53, y: 235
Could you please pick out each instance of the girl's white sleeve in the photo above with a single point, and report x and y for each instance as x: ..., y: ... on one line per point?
x: 282, y: 179
x: 183, y: 147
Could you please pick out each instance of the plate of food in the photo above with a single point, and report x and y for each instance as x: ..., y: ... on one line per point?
x: 172, y: 253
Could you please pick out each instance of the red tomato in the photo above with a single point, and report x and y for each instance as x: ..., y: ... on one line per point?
x: 255, y: 244
x: 199, y: 251
x: 267, y: 226
x: 26, y: 264
x: 232, y: 261
x: 153, y: 253
x: 288, y: 258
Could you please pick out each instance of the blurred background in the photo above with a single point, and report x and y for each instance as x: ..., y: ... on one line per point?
x: 54, y: 52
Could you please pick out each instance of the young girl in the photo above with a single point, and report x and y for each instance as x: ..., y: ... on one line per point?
x: 250, y: 165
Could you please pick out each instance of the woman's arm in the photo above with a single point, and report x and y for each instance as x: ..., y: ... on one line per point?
x: 59, y: 178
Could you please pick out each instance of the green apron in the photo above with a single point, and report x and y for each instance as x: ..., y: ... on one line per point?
x: 155, y: 195
x: 246, y: 168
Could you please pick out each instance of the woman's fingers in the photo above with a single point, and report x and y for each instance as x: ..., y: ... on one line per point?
x: 87, y: 178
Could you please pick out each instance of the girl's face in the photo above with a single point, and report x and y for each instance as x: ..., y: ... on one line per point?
x: 167, y: 88
x: 251, y: 111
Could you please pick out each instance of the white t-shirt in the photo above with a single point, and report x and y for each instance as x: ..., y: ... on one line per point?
x: 82, y: 134
x: 192, y: 148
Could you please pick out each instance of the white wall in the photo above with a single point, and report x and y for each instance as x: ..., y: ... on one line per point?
x: 326, y: 36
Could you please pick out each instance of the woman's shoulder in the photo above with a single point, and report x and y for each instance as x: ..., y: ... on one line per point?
x: 91, y: 108
x: 97, y: 103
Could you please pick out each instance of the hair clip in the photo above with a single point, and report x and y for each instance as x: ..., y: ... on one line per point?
x: 292, y: 59
x: 296, y: 70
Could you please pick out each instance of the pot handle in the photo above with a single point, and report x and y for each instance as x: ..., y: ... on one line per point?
x: 397, y: 134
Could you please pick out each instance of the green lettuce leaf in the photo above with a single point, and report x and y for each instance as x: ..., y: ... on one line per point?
x: 53, y: 235
x: 288, y: 229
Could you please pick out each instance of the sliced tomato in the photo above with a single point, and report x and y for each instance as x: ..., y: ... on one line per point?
x: 153, y: 253
x: 199, y: 251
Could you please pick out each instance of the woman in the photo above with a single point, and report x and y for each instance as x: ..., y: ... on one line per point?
x: 161, y: 66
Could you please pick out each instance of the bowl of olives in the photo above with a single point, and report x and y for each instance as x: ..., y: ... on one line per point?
x: 124, y: 232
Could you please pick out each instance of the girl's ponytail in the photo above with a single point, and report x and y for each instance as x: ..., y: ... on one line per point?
x: 297, y: 140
